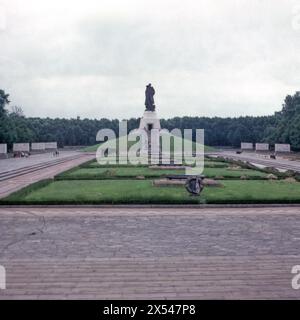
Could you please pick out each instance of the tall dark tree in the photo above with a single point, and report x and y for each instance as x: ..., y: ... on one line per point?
x: 3, y: 102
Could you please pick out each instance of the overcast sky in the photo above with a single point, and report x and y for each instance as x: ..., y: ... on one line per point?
x: 93, y: 58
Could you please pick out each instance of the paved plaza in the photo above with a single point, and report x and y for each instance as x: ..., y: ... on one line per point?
x: 35, y: 159
x: 39, y: 171
x: 145, y: 253
x: 281, y: 162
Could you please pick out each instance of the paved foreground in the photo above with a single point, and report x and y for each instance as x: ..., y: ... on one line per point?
x: 149, y: 253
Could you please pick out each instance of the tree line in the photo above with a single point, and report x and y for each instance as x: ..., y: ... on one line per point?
x: 282, y: 127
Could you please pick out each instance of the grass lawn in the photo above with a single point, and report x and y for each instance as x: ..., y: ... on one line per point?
x: 115, y: 143
x: 254, y: 192
x: 228, y: 173
x: 116, y: 172
x: 135, y: 192
x: 208, y: 164
x: 108, y: 191
x: 95, y: 173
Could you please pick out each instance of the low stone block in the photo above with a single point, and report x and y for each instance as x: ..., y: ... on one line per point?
x: 282, y: 147
x: 50, y: 145
x: 246, y: 146
x: 21, y: 147
x: 262, y: 147
x: 3, y: 148
x: 38, y: 146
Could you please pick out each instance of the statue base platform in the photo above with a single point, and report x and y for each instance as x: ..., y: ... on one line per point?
x: 149, y: 121
x: 149, y: 130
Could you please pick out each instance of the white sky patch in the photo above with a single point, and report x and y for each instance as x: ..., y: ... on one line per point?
x: 93, y: 58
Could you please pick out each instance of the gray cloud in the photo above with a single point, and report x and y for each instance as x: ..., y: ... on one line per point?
x: 93, y: 58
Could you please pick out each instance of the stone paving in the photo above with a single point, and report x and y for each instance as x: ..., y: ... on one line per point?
x: 149, y: 253
x: 34, y: 159
x: 264, y: 160
x: 13, y: 184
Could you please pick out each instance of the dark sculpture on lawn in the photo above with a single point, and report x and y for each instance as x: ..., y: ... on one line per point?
x: 149, y: 102
x: 194, y: 185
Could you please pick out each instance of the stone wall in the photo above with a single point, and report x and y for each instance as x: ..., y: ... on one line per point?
x: 246, y: 146
x: 21, y: 147
x: 262, y: 147
x: 50, y: 145
x: 38, y: 146
x: 3, y: 148
x: 282, y: 147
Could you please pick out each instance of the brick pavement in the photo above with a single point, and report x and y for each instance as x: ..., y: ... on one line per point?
x: 132, y: 253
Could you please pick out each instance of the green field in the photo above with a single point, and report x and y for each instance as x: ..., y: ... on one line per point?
x: 91, y: 183
x: 115, y: 143
x: 95, y: 173
x: 208, y: 164
x: 138, y: 192
x: 115, y: 173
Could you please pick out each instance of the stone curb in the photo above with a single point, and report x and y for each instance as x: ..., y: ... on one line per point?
x: 158, y: 206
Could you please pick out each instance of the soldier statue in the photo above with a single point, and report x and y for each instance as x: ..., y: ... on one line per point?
x: 149, y: 103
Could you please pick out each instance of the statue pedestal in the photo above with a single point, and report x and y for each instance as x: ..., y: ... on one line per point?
x: 151, y: 125
x: 149, y: 121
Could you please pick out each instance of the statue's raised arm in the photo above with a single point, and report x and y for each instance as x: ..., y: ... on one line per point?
x: 149, y: 102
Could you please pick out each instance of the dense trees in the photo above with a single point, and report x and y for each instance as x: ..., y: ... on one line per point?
x: 3, y: 102
x: 224, y: 131
x: 283, y: 127
x: 286, y: 125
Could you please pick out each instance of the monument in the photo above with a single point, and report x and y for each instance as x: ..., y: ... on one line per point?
x: 152, y: 136
x: 194, y: 185
x: 149, y: 128
x: 150, y: 119
x: 149, y: 102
